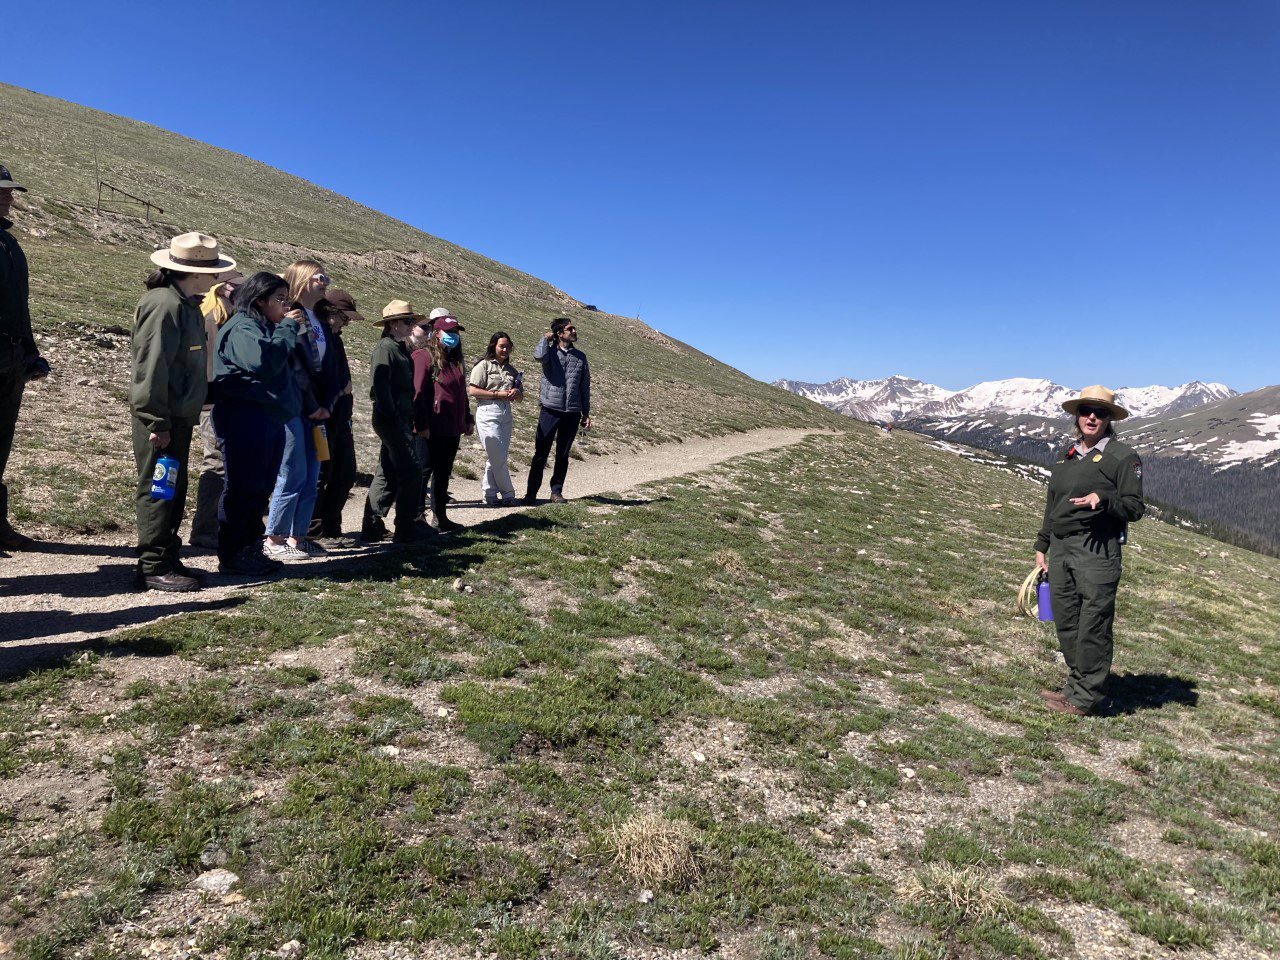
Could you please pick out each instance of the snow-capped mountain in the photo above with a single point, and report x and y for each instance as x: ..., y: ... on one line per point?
x: 1157, y: 401
x: 902, y: 398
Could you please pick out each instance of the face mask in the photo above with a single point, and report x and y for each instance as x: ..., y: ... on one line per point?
x: 450, y: 340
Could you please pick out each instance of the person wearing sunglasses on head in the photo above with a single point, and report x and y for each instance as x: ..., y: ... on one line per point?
x: 1095, y: 492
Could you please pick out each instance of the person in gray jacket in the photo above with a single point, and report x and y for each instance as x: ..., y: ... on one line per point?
x: 565, y: 398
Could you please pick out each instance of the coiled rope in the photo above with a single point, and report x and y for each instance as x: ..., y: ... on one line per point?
x: 1028, y: 601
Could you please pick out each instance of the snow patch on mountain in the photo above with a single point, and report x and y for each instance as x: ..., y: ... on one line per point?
x: 1239, y: 450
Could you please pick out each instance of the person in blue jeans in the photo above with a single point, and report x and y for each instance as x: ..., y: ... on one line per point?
x: 294, y: 498
x: 565, y: 398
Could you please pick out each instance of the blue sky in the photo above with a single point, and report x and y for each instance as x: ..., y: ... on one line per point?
x: 1084, y: 191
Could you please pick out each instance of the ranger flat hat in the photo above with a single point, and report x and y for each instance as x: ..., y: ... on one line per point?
x: 339, y: 299
x: 6, y: 180
x: 399, y: 310
x: 1098, y: 396
x: 193, y: 253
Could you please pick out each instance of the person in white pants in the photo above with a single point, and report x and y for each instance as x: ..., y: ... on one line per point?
x: 495, y: 385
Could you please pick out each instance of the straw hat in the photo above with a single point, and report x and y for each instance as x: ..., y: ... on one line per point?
x: 1098, y: 396
x: 193, y: 253
x: 399, y: 310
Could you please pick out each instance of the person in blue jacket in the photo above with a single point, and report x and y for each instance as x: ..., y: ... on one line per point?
x: 254, y: 395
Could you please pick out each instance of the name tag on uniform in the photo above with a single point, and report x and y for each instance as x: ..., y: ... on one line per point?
x: 198, y: 346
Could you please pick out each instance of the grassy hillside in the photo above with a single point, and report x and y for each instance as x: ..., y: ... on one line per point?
x: 87, y: 270
x: 780, y: 709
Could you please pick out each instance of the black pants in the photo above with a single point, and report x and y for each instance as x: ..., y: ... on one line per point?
x: 337, y: 476
x: 251, y: 444
x: 158, y: 520
x: 560, y: 426
x: 441, y: 452
x: 397, y: 481
x: 13, y: 380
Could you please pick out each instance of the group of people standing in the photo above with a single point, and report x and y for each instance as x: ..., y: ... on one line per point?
x: 260, y: 363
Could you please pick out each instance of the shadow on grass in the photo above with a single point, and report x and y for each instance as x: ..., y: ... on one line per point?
x: 1130, y: 692
x: 605, y: 501
x: 18, y: 661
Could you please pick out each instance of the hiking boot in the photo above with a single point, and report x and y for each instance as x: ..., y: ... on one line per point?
x: 450, y: 526
x: 192, y: 572
x: 416, y: 532
x: 373, y: 531
x: 336, y: 542
x: 250, y: 562
x: 558, y: 498
x: 1065, y: 706
x: 170, y: 583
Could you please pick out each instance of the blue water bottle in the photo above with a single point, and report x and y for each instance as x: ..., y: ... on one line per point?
x: 165, y: 479
x: 1044, y: 605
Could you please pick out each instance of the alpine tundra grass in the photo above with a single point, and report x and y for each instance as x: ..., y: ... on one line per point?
x: 782, y: 708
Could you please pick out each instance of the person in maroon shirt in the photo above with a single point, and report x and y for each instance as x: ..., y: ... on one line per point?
x: 442, y: 412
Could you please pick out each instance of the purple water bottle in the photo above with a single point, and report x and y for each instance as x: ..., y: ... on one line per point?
x: 1043, y: 602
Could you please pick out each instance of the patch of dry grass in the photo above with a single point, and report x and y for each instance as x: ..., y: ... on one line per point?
x: 655, y: 851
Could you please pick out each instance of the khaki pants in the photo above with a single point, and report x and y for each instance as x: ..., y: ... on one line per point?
x: 204, y: 522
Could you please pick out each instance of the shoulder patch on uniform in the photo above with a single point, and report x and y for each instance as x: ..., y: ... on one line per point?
x: 1137, y: 469
x: 1097, y: 458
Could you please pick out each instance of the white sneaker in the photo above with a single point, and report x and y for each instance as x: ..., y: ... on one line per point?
x: 283, y: 551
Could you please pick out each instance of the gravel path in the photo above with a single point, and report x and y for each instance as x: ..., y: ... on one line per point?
x: 76, y: 590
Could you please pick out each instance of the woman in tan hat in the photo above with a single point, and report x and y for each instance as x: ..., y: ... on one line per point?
x: 167, y: 388
x: 1095, y: 492
x: 398, y: 478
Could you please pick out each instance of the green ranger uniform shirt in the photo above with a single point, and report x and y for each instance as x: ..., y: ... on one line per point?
x: 391, y: 382
x: 1113, y: 471
x: 169, y: 380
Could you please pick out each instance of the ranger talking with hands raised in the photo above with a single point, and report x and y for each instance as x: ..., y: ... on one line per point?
x: 1095, y: 492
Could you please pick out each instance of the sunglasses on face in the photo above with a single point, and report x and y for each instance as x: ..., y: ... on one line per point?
x: 1098, y: 412
x: 323, y: 278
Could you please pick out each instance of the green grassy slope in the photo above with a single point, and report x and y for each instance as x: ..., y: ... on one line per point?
x: 87, y: 271
x: 783, y: 708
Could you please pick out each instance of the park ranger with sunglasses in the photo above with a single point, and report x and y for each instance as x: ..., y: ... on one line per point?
x: 1095, y: 492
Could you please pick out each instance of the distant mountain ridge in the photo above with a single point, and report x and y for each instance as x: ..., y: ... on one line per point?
x: 903, y: 398
x: 1210, y: 454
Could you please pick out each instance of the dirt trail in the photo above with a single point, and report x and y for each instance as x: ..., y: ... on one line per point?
x: 75, y: 590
